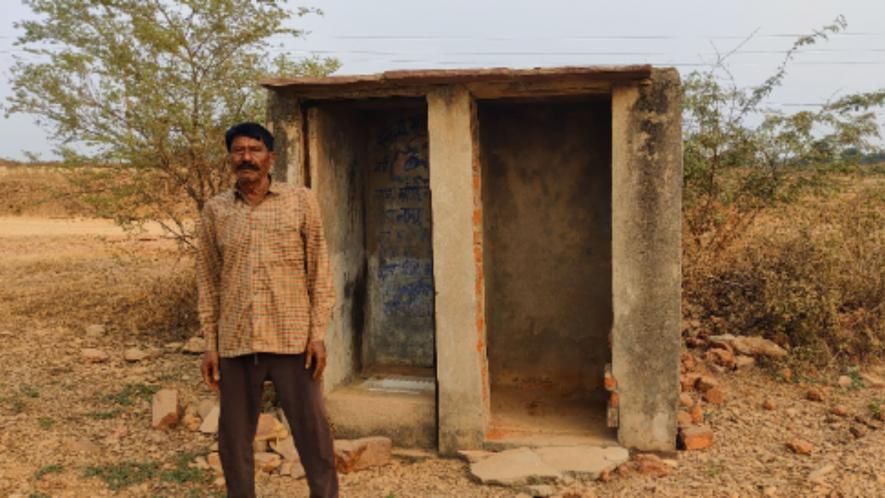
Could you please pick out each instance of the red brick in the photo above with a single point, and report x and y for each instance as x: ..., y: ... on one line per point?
x: 720, y: 357
x: 683, y: 418
x: 609, y: 382
x: 697, y: 414
x: 688, y: 381
x: 800, y: 446
x: 686, y: 400
x: 705, y: 383
x: 715, y: 396
x: 839, y: 410
x: 686, y: 359
x: 696, y: 438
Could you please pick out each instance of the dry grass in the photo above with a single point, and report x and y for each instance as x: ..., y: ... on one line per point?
x: 807, y: 274
x: 38, y: 190
x: 131, y: 286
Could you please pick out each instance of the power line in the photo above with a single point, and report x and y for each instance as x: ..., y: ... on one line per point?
x: 588, y: 37
x: 381, y: 56
x: 565, y: 37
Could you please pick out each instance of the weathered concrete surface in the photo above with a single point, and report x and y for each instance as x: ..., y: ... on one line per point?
x: 267, y: 461
x: 286, y: 121
x: 547, y: 205
x: 514, y: 468
x: 370, y: 171
x: 473, y: 456
x: 583, y: 462
x: 526, y: 416
x: 751, y: 345
x: 460, y: 76
x: 358, y: 454
x: 165, y: 409
x: 337, y: 156
x: 646, y: 258
x: 461, y: 369
x: 209, y: 424
x: 286, y: 448
x: 270, y: 427
x: 400, y: 299
x: 408, y: 419
x: 645, y: 214
x: 481, y: 82
x: 351, y: 159
x: 520, y: 466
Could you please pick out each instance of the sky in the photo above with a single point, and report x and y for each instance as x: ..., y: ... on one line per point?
x: 379, y: 35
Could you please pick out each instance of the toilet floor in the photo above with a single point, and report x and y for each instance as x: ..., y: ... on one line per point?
x: 524, y: 416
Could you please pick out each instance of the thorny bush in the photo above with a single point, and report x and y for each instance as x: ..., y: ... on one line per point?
x: 768, y: 248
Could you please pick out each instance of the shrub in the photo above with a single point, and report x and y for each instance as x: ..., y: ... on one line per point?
x: 165, y: 306
x: 807, y: 274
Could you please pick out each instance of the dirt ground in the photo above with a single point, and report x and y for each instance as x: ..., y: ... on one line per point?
x: 41, y: 228
x: 74, y: 429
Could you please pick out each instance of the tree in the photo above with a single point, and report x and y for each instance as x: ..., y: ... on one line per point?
x: 800, y: 276
x: 147, y: 89
x: 736, y: 149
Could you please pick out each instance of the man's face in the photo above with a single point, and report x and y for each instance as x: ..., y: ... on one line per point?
x: 250, y: 159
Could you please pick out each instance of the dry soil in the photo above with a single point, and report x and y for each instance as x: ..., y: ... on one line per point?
x: 65, y: 423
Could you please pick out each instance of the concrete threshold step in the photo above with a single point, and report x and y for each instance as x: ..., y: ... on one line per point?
x: 525, y: 466
x: 399, y: 384
x: 402, y: 408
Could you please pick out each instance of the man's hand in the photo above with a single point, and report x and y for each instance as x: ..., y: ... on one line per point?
x: 210, y: 369
x: 316, y: 352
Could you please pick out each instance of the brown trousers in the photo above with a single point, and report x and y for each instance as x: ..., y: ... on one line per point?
x: 301, y: 398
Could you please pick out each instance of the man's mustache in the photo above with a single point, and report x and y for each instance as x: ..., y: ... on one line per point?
x: 247, y: 165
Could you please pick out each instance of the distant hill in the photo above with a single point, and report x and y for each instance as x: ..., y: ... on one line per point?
x: 38, y: 189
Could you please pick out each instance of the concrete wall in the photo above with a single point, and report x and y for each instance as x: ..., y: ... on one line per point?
x: 286, y: 122
x: 369, y: 169
x: 455, y: 182
x: 399, y: 325
x: 337, y: 145
x: 646, y: 255
x: 645, y: 245
x: 547, y: 204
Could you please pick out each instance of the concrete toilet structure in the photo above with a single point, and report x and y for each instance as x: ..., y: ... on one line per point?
x: 506, y: 251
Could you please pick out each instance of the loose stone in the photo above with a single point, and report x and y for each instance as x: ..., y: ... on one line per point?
x: 800, y: 446
x: 696, y: 438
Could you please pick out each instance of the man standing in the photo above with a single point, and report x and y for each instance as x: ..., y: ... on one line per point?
x: 265, y: 296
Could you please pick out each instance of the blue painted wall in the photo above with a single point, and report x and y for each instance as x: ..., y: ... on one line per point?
x: 399, y: 328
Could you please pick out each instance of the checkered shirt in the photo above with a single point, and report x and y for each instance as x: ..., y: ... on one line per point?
x: 263, y: 275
